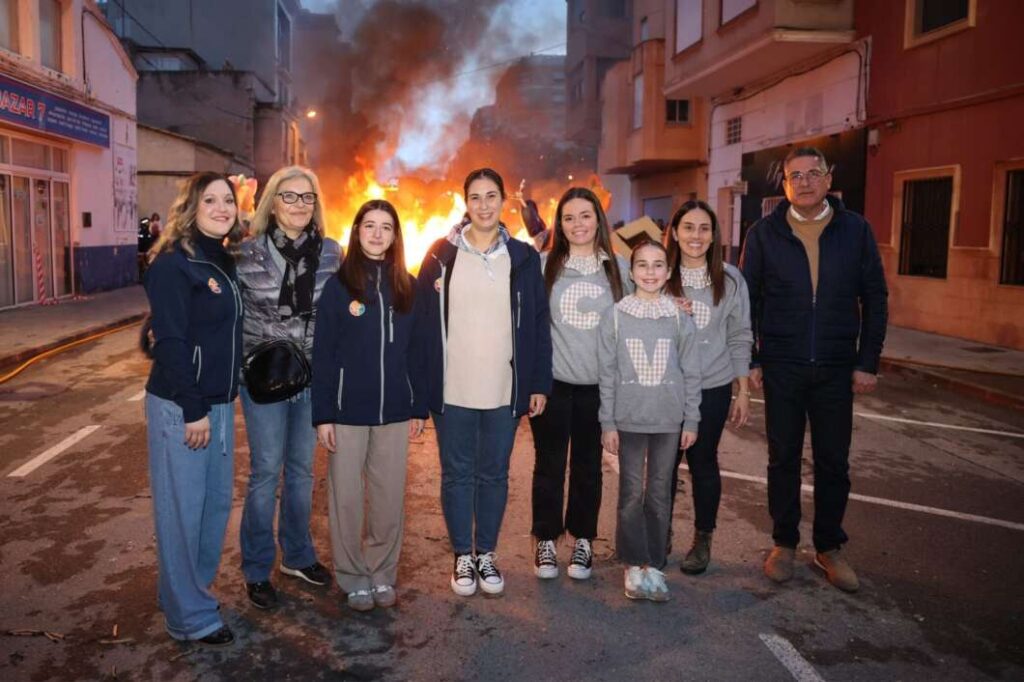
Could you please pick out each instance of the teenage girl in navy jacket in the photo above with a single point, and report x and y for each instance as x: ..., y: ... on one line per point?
x: 368, y: 401
x: 197, y: 325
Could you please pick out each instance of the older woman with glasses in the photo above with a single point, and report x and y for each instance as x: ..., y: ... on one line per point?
x: 282, y: 270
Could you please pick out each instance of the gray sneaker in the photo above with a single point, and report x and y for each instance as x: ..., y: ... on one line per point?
x: 635, y: 585
x: 384, y: 596
x: 654, y: 581
x: 360, y: 600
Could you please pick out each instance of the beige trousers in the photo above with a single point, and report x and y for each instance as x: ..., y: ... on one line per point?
x: 367, y: 471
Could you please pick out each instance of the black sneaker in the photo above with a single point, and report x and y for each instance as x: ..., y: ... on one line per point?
x: 262, y: 594
x: 315, y: 574
x: 582, y: 560
x: 464, y: 576
x: 545, y: 560
x: 488, y: 576
x: 221, y: 637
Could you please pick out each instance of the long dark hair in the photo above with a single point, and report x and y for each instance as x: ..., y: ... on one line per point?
x: 354, y: 268
x: 716, y: 269
x: 558, y: 243
x: 181, y: 228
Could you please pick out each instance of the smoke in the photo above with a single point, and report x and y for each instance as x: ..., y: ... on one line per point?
x: 414, y: 71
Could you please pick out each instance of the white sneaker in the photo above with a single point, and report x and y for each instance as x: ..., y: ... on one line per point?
x: 654, y: 581
x: 488, y: 576
x: 545, y: 560
x: 581, y: 564
x: 464, y: 576
x: 634, y: 579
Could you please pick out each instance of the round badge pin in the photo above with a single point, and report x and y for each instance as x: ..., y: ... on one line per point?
x: 214, y: 287
x: 356, y: 308
x: 437, y: 285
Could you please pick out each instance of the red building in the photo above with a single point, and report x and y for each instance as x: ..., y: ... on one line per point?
x: 945, y: 163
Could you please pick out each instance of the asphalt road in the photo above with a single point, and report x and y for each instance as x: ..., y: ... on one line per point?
x: 942, y: 582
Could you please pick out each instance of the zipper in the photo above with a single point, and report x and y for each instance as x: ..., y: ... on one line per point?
x: 515, y: 364
x: 444, y: 326
x: 391, y: 324
x: 198, y: 353
x: 519, y: 308
x: 814, y: 311
x: 408, y: 381
x: 380, y: 300
x: 341, y: 384
x: 237, y: 298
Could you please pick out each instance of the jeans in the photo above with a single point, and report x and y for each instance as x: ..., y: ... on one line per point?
x: 281, y: 436
x: 794, y: 394
x: 569, y: 420
x: 191, y: 503
x: 702, y: 457
x: 641, y: 533
x: 475, y: 448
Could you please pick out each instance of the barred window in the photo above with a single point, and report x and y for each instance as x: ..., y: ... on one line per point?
x: 925, y: 225
x: 734, y: 130
x: 1012, y: 265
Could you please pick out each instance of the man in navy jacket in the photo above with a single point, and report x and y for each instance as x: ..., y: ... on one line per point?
x: 819, y: 309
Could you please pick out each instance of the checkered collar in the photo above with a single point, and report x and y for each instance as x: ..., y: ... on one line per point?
x: 586, y: 265
x: 695, y: 278
x: 637, y: 307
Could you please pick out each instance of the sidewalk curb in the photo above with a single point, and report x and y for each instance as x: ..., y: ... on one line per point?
x: 989, y: 395
x: 6, y: 361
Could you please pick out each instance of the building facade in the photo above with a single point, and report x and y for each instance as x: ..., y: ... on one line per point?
x: 229, y: 88
x: 657, y: 143
x: 67, y: 153
x: 945, y: 164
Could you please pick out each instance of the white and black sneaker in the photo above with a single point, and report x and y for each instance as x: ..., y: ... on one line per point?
x: 489, y: 577
x: 582, y: 561
x: 545, y: 561
x: 464, y: 576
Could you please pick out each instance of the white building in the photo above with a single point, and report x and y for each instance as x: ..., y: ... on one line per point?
x: 67, y: 152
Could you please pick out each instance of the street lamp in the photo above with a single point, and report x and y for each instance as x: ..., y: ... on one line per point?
x: 311, y: 113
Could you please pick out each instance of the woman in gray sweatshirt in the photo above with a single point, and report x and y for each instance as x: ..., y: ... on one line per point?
x: 720, y: 305
x: 583, y: 278
x: 649, y: 371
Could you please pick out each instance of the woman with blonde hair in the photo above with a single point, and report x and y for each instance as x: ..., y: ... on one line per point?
x: 196, y: 328
x: 282, y: 270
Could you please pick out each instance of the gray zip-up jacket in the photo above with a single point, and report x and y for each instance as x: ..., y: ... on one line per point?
x: 649, y: 368
x: 260, y: 274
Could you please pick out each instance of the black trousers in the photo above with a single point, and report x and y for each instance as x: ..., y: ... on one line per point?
x: 702, y: 457
x: 569, y: 420
x: 793, y: 395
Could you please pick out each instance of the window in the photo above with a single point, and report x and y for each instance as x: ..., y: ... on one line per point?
x: 733, y: 8
x: 50, y: 33
x: 9, y: 25
x: 617, y: 9
x: 638, y: 101
x: 689, y: 17
x: 927, y: 206
x: 734, y: 130
x: 284, y: 38
x: 645, y: 30
x: 677, y: 111
x: 928, y: 20
x: 1011, y: 270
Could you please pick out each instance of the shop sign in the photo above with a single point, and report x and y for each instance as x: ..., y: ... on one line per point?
x: 39, y: 110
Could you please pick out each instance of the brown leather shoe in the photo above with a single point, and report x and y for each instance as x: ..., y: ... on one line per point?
x: 838, y: 572
x: 779, y: 564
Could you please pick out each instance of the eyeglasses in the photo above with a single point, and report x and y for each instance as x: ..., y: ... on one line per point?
x: 308, y: 198
x: 812, y: 176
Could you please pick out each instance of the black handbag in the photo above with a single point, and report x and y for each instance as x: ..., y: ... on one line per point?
x: 275, y: 370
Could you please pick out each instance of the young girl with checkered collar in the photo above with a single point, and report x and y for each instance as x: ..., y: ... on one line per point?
x: 583, y: 278
x: 720, y: 305
x: 650, y: 379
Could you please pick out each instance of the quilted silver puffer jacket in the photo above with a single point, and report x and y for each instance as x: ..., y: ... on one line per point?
x: 260, y: 273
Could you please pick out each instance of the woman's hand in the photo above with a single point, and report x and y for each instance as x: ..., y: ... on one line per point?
x: 684, y: 304
x: 325, y: 434
x: 687, y: 439
x: 197, y: 433
x: 415, y: 428
x: 538, y: 401
x: 610, y: 441
x: 739, y: 413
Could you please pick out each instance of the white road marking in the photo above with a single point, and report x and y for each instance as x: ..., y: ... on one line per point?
x: 138, y: 396
x: 788, y: 656
x: 44, y: 457
x: 917, y: 422
x: 613, y: 462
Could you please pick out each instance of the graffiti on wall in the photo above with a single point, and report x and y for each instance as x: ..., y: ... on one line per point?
x: 126, y: 191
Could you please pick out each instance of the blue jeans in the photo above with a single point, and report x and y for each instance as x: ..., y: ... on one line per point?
x: 475, y: 448
x: 281, y: 436
x: 191, y: 504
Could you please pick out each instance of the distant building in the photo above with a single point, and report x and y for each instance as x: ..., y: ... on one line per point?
x: 67, y: 152
x: 219, y: 72
x: 320, y: 100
